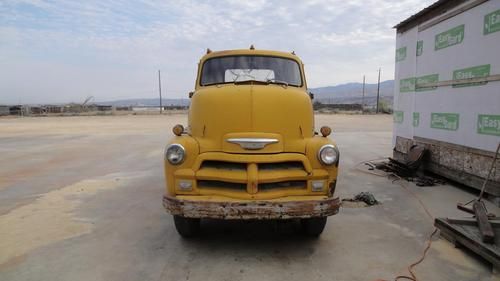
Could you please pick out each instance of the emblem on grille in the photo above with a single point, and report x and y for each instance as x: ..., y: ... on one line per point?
x: 252, y: 143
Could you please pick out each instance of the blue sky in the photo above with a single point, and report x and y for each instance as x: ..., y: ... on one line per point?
x: 64, y: 51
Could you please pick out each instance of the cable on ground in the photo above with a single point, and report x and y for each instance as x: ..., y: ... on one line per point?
x: 410, y: 268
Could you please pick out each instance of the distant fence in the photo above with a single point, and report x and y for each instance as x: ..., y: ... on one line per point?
x: 76, y: 109
x: 338, y: 106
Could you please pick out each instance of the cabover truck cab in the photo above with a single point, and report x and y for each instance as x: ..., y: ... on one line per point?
x: 250, y: 150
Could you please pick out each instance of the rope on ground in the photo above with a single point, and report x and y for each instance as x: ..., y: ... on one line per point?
x: 410, y: 269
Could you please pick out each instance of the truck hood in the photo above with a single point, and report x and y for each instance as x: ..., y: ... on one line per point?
x: 222, y: 117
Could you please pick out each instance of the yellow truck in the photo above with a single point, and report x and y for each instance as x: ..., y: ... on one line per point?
x: 250, y: 150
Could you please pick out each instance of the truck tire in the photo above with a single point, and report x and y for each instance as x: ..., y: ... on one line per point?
x: 187, y: 227
x: 313, y: 226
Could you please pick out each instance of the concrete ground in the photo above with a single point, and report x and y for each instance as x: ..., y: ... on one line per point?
x: 80, y: 199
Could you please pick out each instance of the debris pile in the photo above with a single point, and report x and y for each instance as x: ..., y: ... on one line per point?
x: 408, y: 169
x: 365, y: 197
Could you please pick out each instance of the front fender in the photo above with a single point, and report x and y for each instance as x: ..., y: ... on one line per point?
x: 192, y: 151
x: 312, y: 148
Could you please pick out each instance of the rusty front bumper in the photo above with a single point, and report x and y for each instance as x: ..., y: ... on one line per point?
x: 251, y: 209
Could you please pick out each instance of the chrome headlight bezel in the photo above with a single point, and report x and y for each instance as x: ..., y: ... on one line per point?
x: 322, y: 157
x: 175, y: 148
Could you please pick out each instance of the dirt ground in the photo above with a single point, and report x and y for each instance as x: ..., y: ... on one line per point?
x: 80, y: 199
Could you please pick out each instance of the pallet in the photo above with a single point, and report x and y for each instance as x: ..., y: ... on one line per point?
x: 465, y: 233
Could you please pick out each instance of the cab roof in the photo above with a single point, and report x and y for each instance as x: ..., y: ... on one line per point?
x: 254, y: 52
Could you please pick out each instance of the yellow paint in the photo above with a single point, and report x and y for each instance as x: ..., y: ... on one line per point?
x: 223, y: 111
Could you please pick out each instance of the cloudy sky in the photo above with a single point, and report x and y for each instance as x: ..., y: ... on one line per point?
x: 63, y: 51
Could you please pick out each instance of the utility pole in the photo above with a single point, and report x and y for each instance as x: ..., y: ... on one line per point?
x: 378, y: 88
x: 363, y: 99
x: 159, y: 88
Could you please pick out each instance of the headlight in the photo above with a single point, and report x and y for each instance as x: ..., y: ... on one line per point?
x: 175, y: 154
x: 328, y: 154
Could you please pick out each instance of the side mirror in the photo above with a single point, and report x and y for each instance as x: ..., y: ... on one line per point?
x: 191, y: 94
x: 311, y: 95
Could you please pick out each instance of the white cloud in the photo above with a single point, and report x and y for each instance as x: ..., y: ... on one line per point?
x: 62, y: 51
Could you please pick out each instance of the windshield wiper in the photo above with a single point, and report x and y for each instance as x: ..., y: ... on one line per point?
x: 279, y: 82
x: 267, y: 82
x: 249, y: 81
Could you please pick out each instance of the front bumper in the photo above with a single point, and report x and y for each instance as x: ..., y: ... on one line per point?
x: 297, y: 207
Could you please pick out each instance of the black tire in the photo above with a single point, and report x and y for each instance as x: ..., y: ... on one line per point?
x: 187, y: 227
x: 313, y: 227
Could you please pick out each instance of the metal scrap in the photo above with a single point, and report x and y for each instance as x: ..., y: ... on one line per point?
x: 409, y: 169
x: 365, y: 197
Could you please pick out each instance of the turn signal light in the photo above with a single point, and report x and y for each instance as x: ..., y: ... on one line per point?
x: 178, y: 129
x: 325, y: 131
x: 185, y: 185
x: 317, y: 186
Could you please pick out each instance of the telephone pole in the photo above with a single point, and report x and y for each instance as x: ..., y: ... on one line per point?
x: 363, y: 99
x: 378, y: 88
x: 159, y: 88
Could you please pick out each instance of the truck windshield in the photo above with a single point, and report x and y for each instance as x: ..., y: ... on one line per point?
x: 266, y: 69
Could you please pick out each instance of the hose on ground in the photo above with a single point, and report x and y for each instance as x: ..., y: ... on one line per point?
x: 412, y: 276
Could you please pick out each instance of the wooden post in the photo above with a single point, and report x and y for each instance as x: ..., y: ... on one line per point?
x: 485, y: 228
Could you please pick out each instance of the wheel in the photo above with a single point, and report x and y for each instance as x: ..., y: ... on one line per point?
x: 187, y: 227
x: 313, y: 226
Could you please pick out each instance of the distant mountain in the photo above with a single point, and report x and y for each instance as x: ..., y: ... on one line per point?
x: 146, y: 102
x: 352, y: 92
x: 343, y: 93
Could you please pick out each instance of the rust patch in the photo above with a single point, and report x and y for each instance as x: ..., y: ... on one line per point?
x: 252, y: 209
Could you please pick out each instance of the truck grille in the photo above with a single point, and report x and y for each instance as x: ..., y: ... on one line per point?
x: 221, y: 184
x: 292, y: 165
x: 214, y: 174
x: 223, y: 165
x: 283, y: 184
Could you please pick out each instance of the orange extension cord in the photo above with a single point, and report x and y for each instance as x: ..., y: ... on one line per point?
x: 412, y: 276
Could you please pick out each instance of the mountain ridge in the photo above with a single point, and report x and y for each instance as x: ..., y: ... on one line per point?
x: 353, y: 93
x: 342, y: 93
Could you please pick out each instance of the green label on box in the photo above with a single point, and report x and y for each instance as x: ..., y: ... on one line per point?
x: 471, y: 72
x: 420, y: 48
x: 432, y: 78
x: 449, y: 38
x: 400, y: 54
x: 407, y: 85
x: 444, y: 121
x: 416, y: 119
x: 398, y: 116
x: 488, y: 124
x: 492, y: 22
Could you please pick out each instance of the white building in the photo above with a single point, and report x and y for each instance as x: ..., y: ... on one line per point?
x: 447, y: 88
